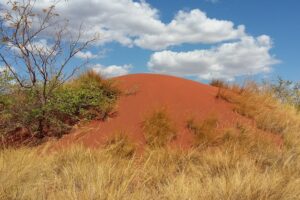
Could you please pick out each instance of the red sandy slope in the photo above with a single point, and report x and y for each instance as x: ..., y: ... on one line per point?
x: 183, y: 99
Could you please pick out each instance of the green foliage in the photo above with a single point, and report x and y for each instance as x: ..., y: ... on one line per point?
x: 85, y: 98
x: 88, y: 97
x: 287, y: 91
x: 5, y: 80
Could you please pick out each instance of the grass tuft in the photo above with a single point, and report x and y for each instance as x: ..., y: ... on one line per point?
x: 158, y: 129
x: 119, y: 144
x: 203, y: 131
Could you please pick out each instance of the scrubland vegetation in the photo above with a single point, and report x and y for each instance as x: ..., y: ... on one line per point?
x: 40, y: 102
x: 86, y: 97
x: 159, y: 129
x: 242, y: 164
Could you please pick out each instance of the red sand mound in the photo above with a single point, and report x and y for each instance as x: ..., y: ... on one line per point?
x: 183, y: 99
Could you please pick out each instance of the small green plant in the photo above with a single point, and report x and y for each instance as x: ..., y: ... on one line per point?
x: 286, y: 91
x: 158, y: 129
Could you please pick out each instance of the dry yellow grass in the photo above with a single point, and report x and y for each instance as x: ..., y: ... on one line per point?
x: 121, y: 145
x: 259, y: 104
x: 230, y: 171
x: 204, y: 131
x: 158, y: 128
x: 244, y: 166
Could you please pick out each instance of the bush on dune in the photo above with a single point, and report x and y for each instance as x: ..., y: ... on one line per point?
x: 86, y: 97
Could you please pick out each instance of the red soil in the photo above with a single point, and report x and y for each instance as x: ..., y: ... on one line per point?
x: 183, y: 99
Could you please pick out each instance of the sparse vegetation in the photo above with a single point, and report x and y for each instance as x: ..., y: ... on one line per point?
x: 245, y: 164
x: 231, y: 171
x: 218, y: 83
x: 86, y: 97
x: 158, y: 128
x: 121, y: 145
x: 204, y: 131
x: 259, y: 104
x: 286, y: 91
x: 36, y: 62
x: 41, y: 97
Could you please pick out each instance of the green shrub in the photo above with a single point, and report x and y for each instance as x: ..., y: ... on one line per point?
x: 287, y: 92
x: 86, y: 97
x: 158, y: 129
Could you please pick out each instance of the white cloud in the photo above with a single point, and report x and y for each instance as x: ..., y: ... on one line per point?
x: 248, y: 56
x: 137, y: 23
x: 37, y: 47
x: 42, y: 47
x: 191, y: 27
x: 112, y: 70
x: 114, y: 20
x: 86, y: 55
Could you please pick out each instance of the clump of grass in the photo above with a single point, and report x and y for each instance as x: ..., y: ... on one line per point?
x: 158, y: 129
x: 203, y: 131
x: 119, y: 144
x: 259, y: 104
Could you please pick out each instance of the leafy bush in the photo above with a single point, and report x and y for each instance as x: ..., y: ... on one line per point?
x: 84, y: 98
x: 287, y: 92
x: 158, y: 129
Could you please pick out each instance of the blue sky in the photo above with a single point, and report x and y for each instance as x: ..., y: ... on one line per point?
x: 196, y: 39
x: 279, y: 19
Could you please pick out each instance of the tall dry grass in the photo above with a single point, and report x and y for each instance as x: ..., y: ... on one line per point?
x: 258, y: 103
x: 204, y: 131
x: 230, y: 171
x: 158, y: 128
x: 243, y: 166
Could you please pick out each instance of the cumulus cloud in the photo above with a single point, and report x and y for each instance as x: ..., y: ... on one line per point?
x: 86, y: 55
x: 191, y: 27
x: 137, y: 23
x: 248, y: 56
x: 115, y: 20
x: 38, y: 47
x: 112, y: 70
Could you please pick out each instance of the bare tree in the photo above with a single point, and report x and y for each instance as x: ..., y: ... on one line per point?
x: 37, y: 47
